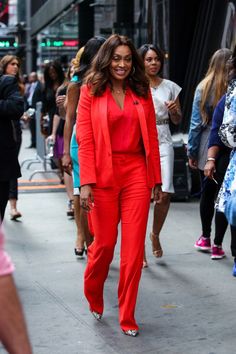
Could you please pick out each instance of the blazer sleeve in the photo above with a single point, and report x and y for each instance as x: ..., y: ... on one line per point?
x: 85, y: 138
x: 11, y: 102
x: 154, y: 143
x: 195, y: 130
x: 214, y: 139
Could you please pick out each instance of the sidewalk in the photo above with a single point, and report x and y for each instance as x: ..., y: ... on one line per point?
x: 186, y: 302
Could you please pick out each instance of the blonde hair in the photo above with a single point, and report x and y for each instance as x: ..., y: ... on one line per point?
x: 76, y: 61
x: 214, y: 84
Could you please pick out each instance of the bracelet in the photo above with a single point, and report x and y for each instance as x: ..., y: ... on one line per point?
x: 210, y: 159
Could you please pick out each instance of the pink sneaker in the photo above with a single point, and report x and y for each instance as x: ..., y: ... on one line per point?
x: 217, y: 252
x: 203, y: 243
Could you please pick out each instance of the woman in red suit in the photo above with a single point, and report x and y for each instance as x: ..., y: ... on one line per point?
x: 120, y: 164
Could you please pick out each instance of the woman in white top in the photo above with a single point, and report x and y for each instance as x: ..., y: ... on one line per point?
x: 165, y: 95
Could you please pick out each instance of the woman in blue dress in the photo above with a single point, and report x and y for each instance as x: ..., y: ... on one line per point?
x: 70, y: 162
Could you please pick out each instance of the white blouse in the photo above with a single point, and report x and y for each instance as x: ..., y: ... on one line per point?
x: 166, y: 91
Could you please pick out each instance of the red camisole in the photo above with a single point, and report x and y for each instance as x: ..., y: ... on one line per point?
x: 124, y: 126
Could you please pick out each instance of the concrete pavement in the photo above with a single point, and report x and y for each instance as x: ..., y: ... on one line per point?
x: 186, y: 301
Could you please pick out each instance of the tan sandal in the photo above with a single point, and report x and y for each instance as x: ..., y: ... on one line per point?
x: 145, y: 263
x: 15, y: 214
x: 156, y: 246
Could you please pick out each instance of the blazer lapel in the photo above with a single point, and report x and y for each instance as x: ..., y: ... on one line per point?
x: 102, y: 118
x: 143, y: 123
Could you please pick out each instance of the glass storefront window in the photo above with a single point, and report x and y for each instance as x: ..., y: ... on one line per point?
x: 59, y: 40
x: 104, y: 17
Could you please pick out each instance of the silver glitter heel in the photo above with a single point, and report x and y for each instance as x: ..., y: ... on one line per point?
x: 96, y: 315
x: 131, y: 332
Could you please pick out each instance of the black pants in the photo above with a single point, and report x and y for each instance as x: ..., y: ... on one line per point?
x: 4, y: 194
x: 207, y: 203
x: 13, y: 191
x: 233, y: 241
x: 209, y: 192
x: 32, y: 126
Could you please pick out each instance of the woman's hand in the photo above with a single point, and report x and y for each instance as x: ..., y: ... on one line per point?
x: 171, y: 106
x: 51, y: 137
x: 209, y: 169
x: 67, y: 163
x: 157, y: 194
x: 60, y: 100
x: 192, y: 163
x: 174, y: 110
x: 25, y: 117
x: 86, y: 197
x: 44, y: 123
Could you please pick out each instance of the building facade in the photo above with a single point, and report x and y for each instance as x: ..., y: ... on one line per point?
x: 187, y: 31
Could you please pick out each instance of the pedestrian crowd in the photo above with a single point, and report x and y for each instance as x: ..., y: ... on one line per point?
x: 108, y: 119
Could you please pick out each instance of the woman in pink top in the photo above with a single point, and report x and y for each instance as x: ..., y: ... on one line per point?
x: 6, y: 266
x: 13, y: 332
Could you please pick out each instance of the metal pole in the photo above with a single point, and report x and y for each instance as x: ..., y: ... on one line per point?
x: 28, y: 48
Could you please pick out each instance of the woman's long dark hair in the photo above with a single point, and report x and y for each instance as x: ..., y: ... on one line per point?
x: 99, y: 76
x: 60, y: 74
x: 90, y: 50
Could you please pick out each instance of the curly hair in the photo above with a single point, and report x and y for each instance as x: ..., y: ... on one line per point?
x: 76, y: 61
x: 99, y: 75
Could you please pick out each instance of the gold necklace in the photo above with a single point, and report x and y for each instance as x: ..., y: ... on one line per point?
x: 118, y: 91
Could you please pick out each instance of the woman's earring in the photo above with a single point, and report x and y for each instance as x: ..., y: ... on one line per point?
x: 133, y: 71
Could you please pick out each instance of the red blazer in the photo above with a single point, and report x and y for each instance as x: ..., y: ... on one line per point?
x: 92, y: 133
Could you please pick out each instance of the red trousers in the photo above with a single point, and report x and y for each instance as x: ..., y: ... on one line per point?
x: 128, y: 201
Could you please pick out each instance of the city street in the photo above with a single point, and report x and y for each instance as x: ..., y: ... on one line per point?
x: 186, y: 302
